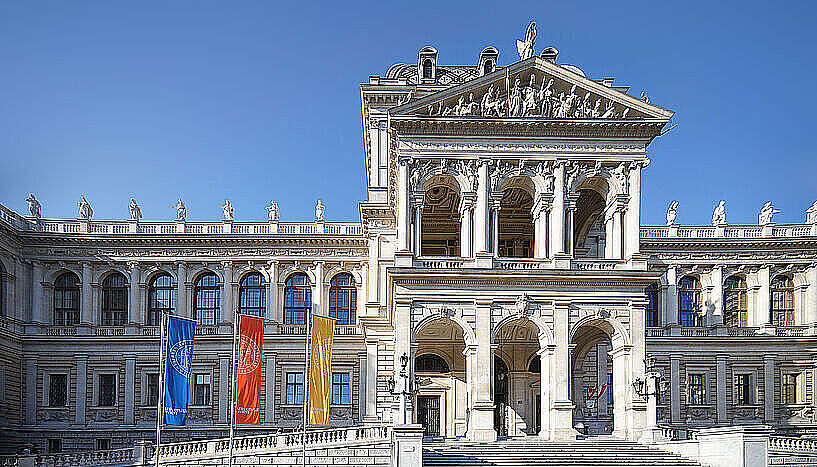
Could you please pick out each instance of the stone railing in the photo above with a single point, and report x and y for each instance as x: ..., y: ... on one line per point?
x: 674, y: 433
x: 113, y: 457
x: 223, y: 329
x: 674, y: 331
x: 441, y: 262
x: 780, y: 444
x: 730, y: 231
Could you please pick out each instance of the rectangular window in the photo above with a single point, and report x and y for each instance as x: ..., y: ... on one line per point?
x: 743, y: 389
x: 54, y: 445
x: 789, y: 393
x: 201, y: 389
x: 152, y: 389
x: 107, y: 390
x: 341, y: 389
x: 295, y: 388
x: 697, y: 389
x: 57, y: 390
x: 103, y: 444
x: 609, y: 390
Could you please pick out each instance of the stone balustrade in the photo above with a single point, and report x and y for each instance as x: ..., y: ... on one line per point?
x: 780, y: 444
x: 723, y: 331
x: 112, y: 457
x: 153, y: 331
x: 729, y: 231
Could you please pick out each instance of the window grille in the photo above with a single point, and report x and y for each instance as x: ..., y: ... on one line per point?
x: 57, y: 390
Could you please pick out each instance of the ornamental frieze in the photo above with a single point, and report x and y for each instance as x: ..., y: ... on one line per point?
x: 616, y: 148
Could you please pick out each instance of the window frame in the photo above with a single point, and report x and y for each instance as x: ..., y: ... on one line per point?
x: 746, y: 388
x: 194, y: 387
x: 782, y: 294
x: 207, y: 299
x: 52, y: 443
x: 294, y: 385
x: 652, y: 312
x: 735, y: 285
x: 690, y: 316
x: 113, y: 308
x: 153, y: 313
x: 59, y: 294
x: 345, y: 314
x: 145, y: 389
x: 98, y: 388
x: 291, y: 311
x: 344, y: 386
x: 260, y: 291
x: 47, y: 389
x: 429, y: 357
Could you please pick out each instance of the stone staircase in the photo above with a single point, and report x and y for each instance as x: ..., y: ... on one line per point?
x: 534, y: 452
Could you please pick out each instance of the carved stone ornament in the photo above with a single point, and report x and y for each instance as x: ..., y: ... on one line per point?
x: 523, y: 305
x: 672, y: 213
x: 35, y: 208
x: 603, y: 313
x: 719, y: 214
x: 766, y: 213
x: 811, y: 214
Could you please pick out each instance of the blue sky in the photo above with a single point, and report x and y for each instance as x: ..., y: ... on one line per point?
x: 259, y: 100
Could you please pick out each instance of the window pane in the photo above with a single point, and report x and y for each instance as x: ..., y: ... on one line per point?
x: 107, y: 390
x: 58, y: 390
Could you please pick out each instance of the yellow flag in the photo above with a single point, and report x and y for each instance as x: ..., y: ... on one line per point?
x: 320, y: 370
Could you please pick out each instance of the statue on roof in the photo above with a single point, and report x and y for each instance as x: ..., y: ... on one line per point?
x: 719, y: 214
x: 672, y: 213
x: 272, y: 211
x: 766, y: 213
x: 319, y: 211
x: 525, y: 47
x: 181, y: 210
x: 35, y: 208
x: 135, y: 210
x: 811, y: 214
x: 85, y: 210
x: 228, y: 210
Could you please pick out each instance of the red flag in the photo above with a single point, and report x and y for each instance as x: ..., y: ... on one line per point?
x: 248, y: 399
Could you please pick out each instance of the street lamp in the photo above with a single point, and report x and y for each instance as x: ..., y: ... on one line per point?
x: 410, y: 387
x: 651, y: 386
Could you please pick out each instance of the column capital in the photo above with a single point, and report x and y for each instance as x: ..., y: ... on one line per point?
x: 133, y: 264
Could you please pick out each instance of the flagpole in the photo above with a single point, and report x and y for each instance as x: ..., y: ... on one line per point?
x: 306, y: 385
x: 234, y: 384
x: 160, y: 402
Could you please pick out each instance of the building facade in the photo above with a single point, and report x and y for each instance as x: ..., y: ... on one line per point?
x: 499, y: 263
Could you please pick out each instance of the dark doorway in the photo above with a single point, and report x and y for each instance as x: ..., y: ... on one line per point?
x: 428, y: 414
x: 500, y: 396
x: 538, y: 413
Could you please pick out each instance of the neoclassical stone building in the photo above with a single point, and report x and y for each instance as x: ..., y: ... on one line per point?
x: 500, y: 250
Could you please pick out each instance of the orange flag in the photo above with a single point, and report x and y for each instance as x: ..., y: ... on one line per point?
x: 320, y: 369
x: 248, y: 398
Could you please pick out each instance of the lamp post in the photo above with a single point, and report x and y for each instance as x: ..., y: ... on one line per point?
x: 410, y: 386
x: 651, y: 386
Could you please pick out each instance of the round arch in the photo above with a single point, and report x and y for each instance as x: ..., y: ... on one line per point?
x: 467, y: 333
x: 545, y: 335
x: 615, y: 331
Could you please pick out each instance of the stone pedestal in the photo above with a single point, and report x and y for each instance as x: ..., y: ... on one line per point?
x: 408, y: 446
x: 481, y: 425
x: 563, y: 421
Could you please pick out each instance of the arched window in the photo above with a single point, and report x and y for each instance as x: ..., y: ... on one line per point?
x: 782, y: 306
x: 427, y: 68
x: 430, y: 363
x: 734, y: 301
x: 207, y: 296
x: 66, y: 299
x: 343, y: 298
x: 297, y: 299
x: 114, y: 300
x: 161, y: 298
x: 488, y: 67
x: 651, y: 312
x: 252, y: 295
x: 535, y: 365
x: 689, y: 302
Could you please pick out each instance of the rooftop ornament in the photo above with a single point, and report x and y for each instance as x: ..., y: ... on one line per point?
x: 35, y: 209
x: 766, y: 213
x: 85, y: 210
x: 525, y: 47
x: 135, y: 210
x: 181, y: 210
x: 719, y: 214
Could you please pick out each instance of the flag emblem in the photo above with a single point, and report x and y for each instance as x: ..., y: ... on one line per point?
x: 180, y: 357
x: 249, y: 355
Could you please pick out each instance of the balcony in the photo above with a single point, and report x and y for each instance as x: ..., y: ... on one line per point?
x: 138, y: 330
x: 723, y: 331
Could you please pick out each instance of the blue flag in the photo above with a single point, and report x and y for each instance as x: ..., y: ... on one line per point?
x: 178, y: 361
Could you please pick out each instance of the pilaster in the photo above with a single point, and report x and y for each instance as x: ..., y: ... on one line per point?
x: 273, y: 308
x: 721, y: 389
x: 562, y: 407
x: 716, y: 296
x: 557, y: 214
x: 223, y: 389
x: 81, y: 388
x: 269, y: 390
x: 481, y: 212
x: 227, y: 294
x: 768, y: 389
x: 481, y: 426
x: 181, y: 290
x: 134, y: 314
x: 86, y: 311
x: 130, y: 388
x: 37, y: 292
x: 370, y: 411
x: 675, y: 387
x: 30, y: 391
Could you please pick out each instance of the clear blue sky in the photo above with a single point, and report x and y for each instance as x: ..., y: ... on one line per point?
x: 254, y: 101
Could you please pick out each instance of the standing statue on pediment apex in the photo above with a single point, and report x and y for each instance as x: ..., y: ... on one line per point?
x: 181, y: 210
x: 319, y: 211
x: 766, y: 213
x: 546, y: 99
x: 515, y: 104
x: 34, y: 207
x: 135, y: 210
x: 228, y: 210
x: 525, y: 47
x: 811, y: 214
x: 85, y: 210
x: 719, y: 214
x: 672, y: 212
x: 272, y: 211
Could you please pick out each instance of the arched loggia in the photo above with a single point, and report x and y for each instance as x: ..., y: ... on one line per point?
x: 439, y: 217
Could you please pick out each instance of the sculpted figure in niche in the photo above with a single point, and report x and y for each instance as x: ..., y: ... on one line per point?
x: 85, y: 210
x: 719, y: 215
x: 35, y: 209
x: 272, y: 211
x: 181, y: 210
x: 319, y: 211
x: 525, y: 47
x: 766, y: 213
x: 228, y: 210
x: 811, y: 214
x: 672, y: 212
x: 135, y: 210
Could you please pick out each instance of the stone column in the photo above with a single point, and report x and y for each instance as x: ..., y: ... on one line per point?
x: 481, y: 212
x: 618, y: 247
x: 675, y: 387
x: 402, y: 345
x: 269, y: 390
x: 609, y: 236
x: 557, y: 213
x: 481, y: 427
x: 223, y: 389
x: 721, y: 389
x: 273, y: 309
x: 81, y: 389
x: 317, y: 291
x: 371, y: 381
x: 637, y: 406
x: 374, y: 272
x: 670, y: 302
x: 562, y: 412
x: 495, y: 228
x: 768, y: 389
x: 130, y: 388
x: 466, y: 230
x: 632, y: 219
x: 181, y: 290
x: 227, y: 308
x: 716, y: 296
x: 544, y: 389
x: 37, y: 314
x: 571, y: 227
x: 418, y: 229
x: 541, y: 211
x: 31, y: 391
x: 403, y: 223
x: 134, y: 309
x: 86, y: 311
x: 811, y: 295
x: 361, y: 386
x: 762, y: 311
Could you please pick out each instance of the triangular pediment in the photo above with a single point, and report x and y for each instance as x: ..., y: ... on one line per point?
x: 533, y: 89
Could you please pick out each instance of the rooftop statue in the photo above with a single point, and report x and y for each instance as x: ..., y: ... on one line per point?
x: 766, y: 213
x: 85, y: 210
x: 525, y: 47
x: 181, y: 210
x: 135, y: 210
x: 35, y: 208
x: 811, y: 214
x: 672, y: 212
x: 319, y: 211
x: 228, y: 210
x: 272, y: 211
x: 719, y: 215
